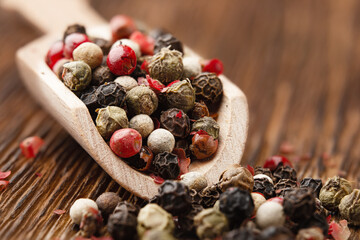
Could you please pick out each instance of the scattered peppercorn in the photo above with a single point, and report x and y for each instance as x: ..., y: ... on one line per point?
x: 109, y: 120
x: 107, y: 202
x: 194, y: 180
x: 200, y: 110
x: 237, y: 176
x: 104, y: 44
x: 143, y: 124
x: 80, y: 207
x: 333, y: 191
x: 121, y: 27
x: 314, y: 184
x: 91, y: 223
x: 192, y: 67
x: 208, y: 124
x: 72, y: 41
x: 121, y: 60
x: 166, y: 165
x: 141, y: 100
x: 101, y: 75
x: 270, y: 214
x: 258, y: 200
x: 127, y: 42
x: 203, y: 146
x: 284, y: 172
x: 89, y: 53
x: 110, y: 94
x: 264, y: 186
x: 143, y: 160
x: 122, y: 224
x: 126, y: 82
x: 175, y: 121
x: 76, y: 75
x: 126, y: 142
x: 180, y: 95
x: 208, y: 87
x: 161, y: 140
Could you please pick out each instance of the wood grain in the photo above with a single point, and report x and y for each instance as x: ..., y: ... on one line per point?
x: 296, y: 61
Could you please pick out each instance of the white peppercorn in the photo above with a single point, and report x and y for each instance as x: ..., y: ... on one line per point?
x: 161, y: 140
x: 126, y: 82
x: 194, y: 180
x: 192, y: 67
x: 258, y: 200
x: 143, y: 124
x: 80, y: 207
x: 90, y: 53
x: 270, y: 214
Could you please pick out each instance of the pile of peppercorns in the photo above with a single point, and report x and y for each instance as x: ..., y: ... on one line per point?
x: 263, y: 203
x: 144, y: 94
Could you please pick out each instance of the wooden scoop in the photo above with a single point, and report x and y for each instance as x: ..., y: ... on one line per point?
x: 53, y: 17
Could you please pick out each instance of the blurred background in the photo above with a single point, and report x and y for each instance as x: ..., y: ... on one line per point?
x: 296, y: 61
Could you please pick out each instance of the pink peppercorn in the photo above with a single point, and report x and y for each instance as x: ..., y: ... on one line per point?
x: 146, y: 42
x: 31, y: 146
x: 126, y: 142
x: 121, y: 27
x: 274, y: 161
x: 214, y: 66
x: 55, y: 53
x: 72, y: 41
x: 121, y: 60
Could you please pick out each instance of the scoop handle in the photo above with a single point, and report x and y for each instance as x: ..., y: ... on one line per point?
x: 53, y: 15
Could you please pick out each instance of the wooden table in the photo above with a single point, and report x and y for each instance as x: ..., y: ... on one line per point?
x: 298, y: 62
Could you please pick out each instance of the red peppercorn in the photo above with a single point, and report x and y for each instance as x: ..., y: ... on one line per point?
x: 203, y: 146
x: 214, y: 66
x: 145, y: 66
x: 121, y: 60
x: 274, y: 161
x: 121, y: 27
x: 72, y: 41
x: 31, y: 146
x: 126, y: 142
x: 55, y: 53
x: 146, y: 42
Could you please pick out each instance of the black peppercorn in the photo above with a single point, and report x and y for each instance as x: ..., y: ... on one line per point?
x: 276, y: 233
x: 166, y: 165
x: 284, y: 172
x: 89, y: 98
x: 75, y: 28
x: 265, y: 187
x: 299, y: 204
x: 104, y: 44
x: 283, y: 186
x: 200, y: 110
x: 176, y: 121
x: 141, y: 161
x: 107, y: 202
x: 91, y: 223
x: 316, y: 220
x: 125, y: 206
x: 208, y: 87
x: 174, y: 197
x: 122, y: 225
x: 265, y: 171
x: 237, y: 205
x: 206, y: 197
x: 100, y: 75
x: 185, y: 225
x: 166, y: 40
x: 110, y: 94
x: 314, y: 184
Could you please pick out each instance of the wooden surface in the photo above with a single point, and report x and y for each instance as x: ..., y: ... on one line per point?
x: 296, y: 61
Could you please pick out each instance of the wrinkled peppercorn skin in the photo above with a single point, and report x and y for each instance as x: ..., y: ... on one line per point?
x: 237, y: 177
x: 141, y: 100
x: 284, y: 172
x: 180, y: 95
x: 208, y: 87
x: 176, y: 121
x: 166, y: 165
x: 208, y: 124
x: 100, y: 75
x: 265, y: 187
x: 110, y: 94
x: 333, y: 191
x: 349, y: 207
x: 314, y: 184
x: 122, y: 225
x: 203, y: 146
x: 166, y: 40
x: 299, y: 204
x: 200, y: 110
x: 76, y: 75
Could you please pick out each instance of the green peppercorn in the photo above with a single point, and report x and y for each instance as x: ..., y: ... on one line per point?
x: 110, y: 119
x: 76, y: 75
x: 141, y: 100
x: 166, y: 66
x: 333, y: 191
x: 210, y: 223
x: 350, y: 207
x: 181, y: 95
x: 209, y: 125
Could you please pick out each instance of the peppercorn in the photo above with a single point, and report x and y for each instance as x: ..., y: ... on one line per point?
x: 176, y: 122
x: 210, y: 224
x: 208, y: 87
x: 237, y: 176
x: 80, y: 207
x: 166, y: 66
x: 101, y: 75
x: 264, y: 185
x: 283, y: 186
x: 75, y: 28
x: 104, y: 44
x: 166, y: 165
x: 161, y: 140
x: 194, y: 180
x: 185, y: 224
x: 107, y: 202
x: 91, y: 223
x: 174, y: 197
x: 121, y: 60
x: 155, y: 234
x: 276, y: 161
x: 319, y: 208
x: 208, y: 124
x: 89, y: 53
x: 261, y: 176
x: 299, y: 204
x: 209, y: 195
x: 276, y: 233
x: 200, y: 110
x: 126, y: 82
x: 333, y: 191
x: 349, y: 207
x: 141, y: 161
x: 76, y: 75
x: 122, y: 225
x: 141, y: 100
x: 203, y: 146
x: 121, y: 27
x: 237, y: 205
x: 110, y: 94
x: 126, y: 142
x: 258, y: 200
x: 240, y: 233
x: 265, y: 171
x: 314, y: 184
x: 143, y: 124
x: 127, y: 42
x: 72, y: 41
x: 270, y: 214
x: 184, y: 144
x: 316, y: 220
x: 180, y: 95
x: 192, y: 67
x: 313, y: 233
x: 284, y: 172
x: 125, y: 206
x: 58, y: 68
x: 151, y: 217
x: 109, y: 120
x: 167, y: 41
